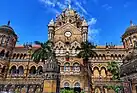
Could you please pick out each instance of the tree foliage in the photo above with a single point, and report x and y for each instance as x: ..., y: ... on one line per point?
x: 113, y: 67
x: 69, y: 91
x: 86, y: 50
x: 44, y: 52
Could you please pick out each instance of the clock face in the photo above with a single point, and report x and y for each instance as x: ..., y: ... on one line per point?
x: 68, y: 34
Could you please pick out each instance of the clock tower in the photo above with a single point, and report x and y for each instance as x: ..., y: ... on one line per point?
x: 67, y: 32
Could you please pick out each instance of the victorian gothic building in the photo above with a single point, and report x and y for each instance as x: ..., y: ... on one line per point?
x: 19, y: 73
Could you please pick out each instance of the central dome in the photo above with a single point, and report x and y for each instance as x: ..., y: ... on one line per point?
x: 69, y: 12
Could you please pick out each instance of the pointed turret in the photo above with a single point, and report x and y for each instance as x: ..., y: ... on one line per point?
x: 84, y: 23
x: 51, y: 23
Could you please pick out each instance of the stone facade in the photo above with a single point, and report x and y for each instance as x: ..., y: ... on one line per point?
x: 20, y: 73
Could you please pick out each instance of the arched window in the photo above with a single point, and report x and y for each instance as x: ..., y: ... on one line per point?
x: 97, y: 90
x: 96, y: 72
x: 76, y: 67
x: 14, y: 55
x: 77, y: 88
x: 66, y: 85
x: 7, y: 54
x: 13, y: 70
x: 32, y: 70
x: 73, y: 50
x: 112, y: 56
x: 61, y: 49
x: 77, y: 84
x: 17, y: 56
x: 2, y: 53
x: 21, y: 56
x: 3, y: 69
x: 39, y: 70
x: 67, y: 67
x: 21, y: 70
x: 24, y: 56
x: 103, y: 72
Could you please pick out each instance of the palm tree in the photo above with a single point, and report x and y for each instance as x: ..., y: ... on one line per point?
x: 86, y: 52
x: 44, y: 52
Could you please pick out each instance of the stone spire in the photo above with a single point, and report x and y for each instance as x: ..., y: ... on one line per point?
x: 84, y: 23
x: 51, y: 23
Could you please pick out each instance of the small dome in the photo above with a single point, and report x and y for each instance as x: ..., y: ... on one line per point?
x: 130, y: 30
x: 7, y: 29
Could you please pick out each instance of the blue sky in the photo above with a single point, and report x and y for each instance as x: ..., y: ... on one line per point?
x: 108, y: 19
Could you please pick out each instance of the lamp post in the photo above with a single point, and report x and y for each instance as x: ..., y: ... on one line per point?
x: 28, y: 46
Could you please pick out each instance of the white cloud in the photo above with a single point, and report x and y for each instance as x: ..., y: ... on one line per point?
x: 92, y: 21
x: 56, y: 5
x: 48, y: 3
x: 60, y: 5
x: 106, y: 6
x: 93, y: 32
x: 81, y: 7
x: 93, y: 35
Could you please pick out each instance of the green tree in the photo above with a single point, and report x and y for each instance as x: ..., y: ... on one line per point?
x: 44, y: 52
x: 68, y: 91
x: 113, y: 67
x: 114, y: 70
x: 86, y: 52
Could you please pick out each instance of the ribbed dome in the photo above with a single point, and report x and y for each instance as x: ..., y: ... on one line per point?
x: 7, y: 29
x: 130, y: 30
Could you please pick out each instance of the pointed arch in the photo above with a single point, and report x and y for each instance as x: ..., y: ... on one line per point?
x: 112, y: 56
x: 40, y: 70
x: 103, y: 72
x: 7, y: 54
x: 97, y: 90
x: 3, y: 69
x: 17, y: 56
x: 14, y: 55
x: 32, y: 70
x: 13, y: 70
x: 66, y: 85
x: 2, y: 53
x: 20, y: 70
x: 67, y: 66
x: 21, y: 56
x: 76, y: 67
x: 96, y: 72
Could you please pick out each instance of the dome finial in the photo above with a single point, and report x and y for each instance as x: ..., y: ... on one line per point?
x: 68, y: 2
x: 8, y: 23
x: 131, y: 23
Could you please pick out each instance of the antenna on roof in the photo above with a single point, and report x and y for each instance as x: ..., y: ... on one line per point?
x: 8, y: 23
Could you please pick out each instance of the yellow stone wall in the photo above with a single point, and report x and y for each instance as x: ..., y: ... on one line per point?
x: 49, y: 86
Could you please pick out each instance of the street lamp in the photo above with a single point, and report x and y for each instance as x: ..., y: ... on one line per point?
x: 28, y: 46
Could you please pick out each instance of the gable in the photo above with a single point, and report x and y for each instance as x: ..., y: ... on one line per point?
x: 67, y: 27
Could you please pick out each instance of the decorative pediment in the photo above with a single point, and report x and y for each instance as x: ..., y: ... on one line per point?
x: 68, y: 27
